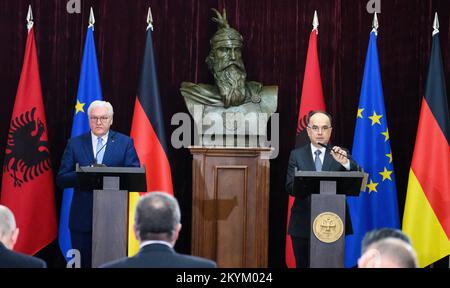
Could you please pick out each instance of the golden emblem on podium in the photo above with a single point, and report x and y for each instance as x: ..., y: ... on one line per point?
x: 328, y: 227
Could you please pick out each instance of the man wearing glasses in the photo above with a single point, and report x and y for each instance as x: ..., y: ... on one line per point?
x: 100, y: 146
x: 312, y: 157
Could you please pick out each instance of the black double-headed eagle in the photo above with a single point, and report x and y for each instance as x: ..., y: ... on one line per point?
x: 26, y: 156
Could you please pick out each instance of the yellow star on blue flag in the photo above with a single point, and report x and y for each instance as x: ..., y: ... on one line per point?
x: 376, y: 207
x: 89, y: 90
x: 79, y: 107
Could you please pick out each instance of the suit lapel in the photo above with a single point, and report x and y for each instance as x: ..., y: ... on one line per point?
x: 110, y: 147
x: 87, y: 145
x: 329, y: 164
x: 308, y: 159
x: 327, y: 161
x: 2, y: 247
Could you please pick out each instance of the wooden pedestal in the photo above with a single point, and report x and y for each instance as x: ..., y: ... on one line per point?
x: 230, y: 198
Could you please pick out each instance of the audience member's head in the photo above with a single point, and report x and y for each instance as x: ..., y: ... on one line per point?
x: 157, y: 217
x: 8, y: 230
x: 387, y: 248
x: 382, y: 233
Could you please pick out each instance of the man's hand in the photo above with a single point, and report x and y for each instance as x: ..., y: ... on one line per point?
x: 339, y: 154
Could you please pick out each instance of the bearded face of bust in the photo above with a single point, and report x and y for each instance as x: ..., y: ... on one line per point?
x: 229, y: 73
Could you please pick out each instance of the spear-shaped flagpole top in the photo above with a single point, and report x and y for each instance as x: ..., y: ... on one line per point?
x: 91, y: 18
x: 316, y: 22
x: 435, y: 24
x: 375, y: 23
x: 29, y: 18
x: 149, y: 19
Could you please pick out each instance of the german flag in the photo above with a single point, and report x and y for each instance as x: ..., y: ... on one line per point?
x: 427, y: 210
x: 147, y: 131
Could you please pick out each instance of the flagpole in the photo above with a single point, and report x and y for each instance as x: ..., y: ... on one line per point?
x: 27, y: 162
x: 436, y: 31
x: 88, y: 91
x: 148, y: 133
x: 311, y: 99
x: 424, y: 215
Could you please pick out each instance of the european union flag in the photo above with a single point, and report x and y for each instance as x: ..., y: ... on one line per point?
x: 377, y: 206
x: 89, y: 90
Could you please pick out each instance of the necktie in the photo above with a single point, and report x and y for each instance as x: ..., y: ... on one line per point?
x: 100, y: 151
x: 317, y: 161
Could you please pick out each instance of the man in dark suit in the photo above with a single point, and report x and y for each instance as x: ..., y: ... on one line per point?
x: 8, y: 238
x: 157, y: 226
x: 312, y: 157
x: 99, y: 146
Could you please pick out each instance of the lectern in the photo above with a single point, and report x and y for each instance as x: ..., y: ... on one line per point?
x: 110, y: 186
x: 328, y: 191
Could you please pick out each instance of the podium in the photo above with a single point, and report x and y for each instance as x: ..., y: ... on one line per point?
x: 110, y: 186
x: 230, y: 205
x: 328, y: 191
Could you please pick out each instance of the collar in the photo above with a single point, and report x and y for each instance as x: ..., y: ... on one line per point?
x: 314, y: 149
x: 145, y: 243
x: 104, y: 137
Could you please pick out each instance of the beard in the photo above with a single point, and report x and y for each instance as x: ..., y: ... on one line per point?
x: 231, y: 84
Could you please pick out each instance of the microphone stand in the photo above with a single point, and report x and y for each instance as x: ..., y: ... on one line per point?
x: 348, y: 156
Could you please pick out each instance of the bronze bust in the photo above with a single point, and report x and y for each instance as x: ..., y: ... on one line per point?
x: 231, y: 93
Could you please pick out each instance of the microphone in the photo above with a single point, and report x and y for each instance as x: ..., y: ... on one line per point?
x: 328, y: 147
x: 96, y: 154
x: 348, y: 156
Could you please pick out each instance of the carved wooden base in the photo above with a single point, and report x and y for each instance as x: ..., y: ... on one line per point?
x: 230, y: 198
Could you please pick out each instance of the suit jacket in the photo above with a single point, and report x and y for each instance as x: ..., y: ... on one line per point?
x: 120, y: 152
x: 11, y: 259
x: 300, y: 220
x: 160, y: 256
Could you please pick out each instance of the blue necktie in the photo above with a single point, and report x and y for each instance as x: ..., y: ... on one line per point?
x: 317, y: 161
x: 100, y: 151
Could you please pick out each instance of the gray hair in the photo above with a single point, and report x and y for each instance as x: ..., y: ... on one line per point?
x: 398, y: 251
x: 7, y: 221
x: 157, y: 213
x: 105, y: 104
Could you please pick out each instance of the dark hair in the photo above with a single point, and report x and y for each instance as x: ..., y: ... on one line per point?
x: 381, y: 234
x: 157, y: 216
x: 314, y: 112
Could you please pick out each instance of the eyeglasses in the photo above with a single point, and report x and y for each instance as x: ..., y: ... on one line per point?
x: 102, y: 119
x: 317, y: 128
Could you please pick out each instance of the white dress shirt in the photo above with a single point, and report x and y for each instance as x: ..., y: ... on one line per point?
x: 94, y: 141
x: 322, y: 155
